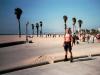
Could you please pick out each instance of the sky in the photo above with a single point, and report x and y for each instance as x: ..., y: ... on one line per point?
x: 50, y: 12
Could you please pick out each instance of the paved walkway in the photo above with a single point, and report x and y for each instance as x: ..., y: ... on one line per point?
x: 52, y: 58
x: 81, y: 66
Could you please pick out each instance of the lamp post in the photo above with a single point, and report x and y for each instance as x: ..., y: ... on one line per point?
x: 27, y: 31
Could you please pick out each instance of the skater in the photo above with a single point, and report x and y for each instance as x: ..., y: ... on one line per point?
x: 68, y: 43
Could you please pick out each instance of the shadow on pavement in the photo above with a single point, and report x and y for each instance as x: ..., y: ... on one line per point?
x: 84, y: 59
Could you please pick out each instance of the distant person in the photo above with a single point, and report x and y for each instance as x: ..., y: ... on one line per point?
x: 88, y: 38
x: 50, y: 35
x: 93, y: 38
x: 53, y: 35
x: 83, y: 38
x: 59, y: 35
x: 77, y: 39
x: 68, y: 43
x: 46, y: 35
x: 74, y: 38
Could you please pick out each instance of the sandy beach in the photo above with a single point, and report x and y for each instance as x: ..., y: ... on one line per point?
x: 10, y: 38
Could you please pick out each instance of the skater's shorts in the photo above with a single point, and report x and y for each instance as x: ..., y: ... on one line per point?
x: 67, y: 46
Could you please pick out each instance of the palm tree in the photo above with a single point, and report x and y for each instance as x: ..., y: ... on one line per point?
x: 18, y: 13
x: 37, y: 27
x: 33, y: 28
x: 74, y: 22
x: 65, y: 19
x: 80, y: 23
x: 41, y: 28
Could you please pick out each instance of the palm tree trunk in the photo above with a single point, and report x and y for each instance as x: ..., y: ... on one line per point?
x: 41, y: 31
x: 33, y: 32
x: 37, y: 32
x: 19, y: 28
x: 65, y: 28
x: 80, y: 33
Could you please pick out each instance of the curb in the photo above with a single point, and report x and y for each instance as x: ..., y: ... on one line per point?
x: 22, y: 67
x: 7, y: 44
x: 40, y: 64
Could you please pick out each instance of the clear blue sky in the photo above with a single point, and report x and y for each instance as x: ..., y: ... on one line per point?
x: 50, y: 12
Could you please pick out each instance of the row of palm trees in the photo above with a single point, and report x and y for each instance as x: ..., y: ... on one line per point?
x: 74, y: 22
x: 18, y: 13
x: 90, y: 31
x: 37, y: 27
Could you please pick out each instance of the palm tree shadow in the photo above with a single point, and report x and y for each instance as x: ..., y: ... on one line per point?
x: 84, y: 59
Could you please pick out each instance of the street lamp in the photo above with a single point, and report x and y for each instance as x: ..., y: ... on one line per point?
x: 27, y: 31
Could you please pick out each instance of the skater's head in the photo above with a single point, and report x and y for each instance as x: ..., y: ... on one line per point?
x: 68, y: 31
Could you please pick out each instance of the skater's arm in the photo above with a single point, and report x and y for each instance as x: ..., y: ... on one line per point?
x: 71, y: 41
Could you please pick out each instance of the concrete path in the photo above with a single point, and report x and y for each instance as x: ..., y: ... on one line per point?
x: 81, y: 66
x: 83, y: 50
x: 42, y: 51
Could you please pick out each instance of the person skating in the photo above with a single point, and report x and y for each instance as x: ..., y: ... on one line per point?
x: 68, y: 43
